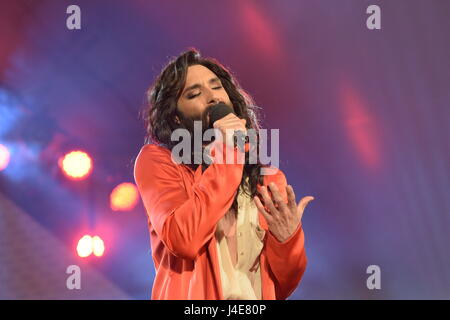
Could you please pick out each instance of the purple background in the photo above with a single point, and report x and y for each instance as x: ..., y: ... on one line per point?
x: 364, y: 127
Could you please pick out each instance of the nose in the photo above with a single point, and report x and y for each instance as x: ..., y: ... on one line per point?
x: 212, y: 99
x: 213, y: 102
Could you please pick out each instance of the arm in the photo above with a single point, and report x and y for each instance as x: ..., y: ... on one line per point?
x: 185, y: 222
x: 287, y: 259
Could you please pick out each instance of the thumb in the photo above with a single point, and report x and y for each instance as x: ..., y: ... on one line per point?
x: 303, y: 203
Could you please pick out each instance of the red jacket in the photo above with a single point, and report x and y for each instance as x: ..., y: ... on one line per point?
x: 183, y: 208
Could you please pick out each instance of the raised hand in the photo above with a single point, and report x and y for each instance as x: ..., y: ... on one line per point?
x: 282, y: 218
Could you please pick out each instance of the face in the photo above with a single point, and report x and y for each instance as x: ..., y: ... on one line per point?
x: 201, y: 90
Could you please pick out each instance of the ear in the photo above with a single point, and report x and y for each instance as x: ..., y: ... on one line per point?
x: 177, y: 120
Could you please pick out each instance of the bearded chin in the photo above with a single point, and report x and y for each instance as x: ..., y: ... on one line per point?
x: 196, y: 131
x: 187, y: 122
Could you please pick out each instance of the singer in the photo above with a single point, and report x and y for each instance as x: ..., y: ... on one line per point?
x: 218, y: 230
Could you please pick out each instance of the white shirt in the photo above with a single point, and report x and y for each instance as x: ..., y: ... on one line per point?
x: 245, y: 237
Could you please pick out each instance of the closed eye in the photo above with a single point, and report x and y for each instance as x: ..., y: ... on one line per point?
x: 196, y: 95
x: 193, y: 96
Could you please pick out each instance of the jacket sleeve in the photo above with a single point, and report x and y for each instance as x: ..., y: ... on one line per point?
x: 287, y: 260
x: 184, y: 221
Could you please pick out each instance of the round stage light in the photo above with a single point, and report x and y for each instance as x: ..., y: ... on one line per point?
x: 76, y: 165
x: 98, y: 246
x: 4, y: 157
x: 124, y: 197
x: 84, y: 247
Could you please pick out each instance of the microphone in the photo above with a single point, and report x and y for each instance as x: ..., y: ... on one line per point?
x: 221, y: 110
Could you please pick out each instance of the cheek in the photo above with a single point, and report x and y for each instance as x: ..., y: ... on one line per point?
x: 190, y: 108
x: 225, y: 97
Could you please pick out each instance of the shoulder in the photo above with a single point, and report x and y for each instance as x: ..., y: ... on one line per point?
x: 154, y: 148
x: 152, y: 153
x: 153, y: 160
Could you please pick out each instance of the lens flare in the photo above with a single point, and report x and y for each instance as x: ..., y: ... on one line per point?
x: 84, y: 247
x: 98, y: 246
x: 76, y: 165
x: 4, y: 157
x: 124, y: 197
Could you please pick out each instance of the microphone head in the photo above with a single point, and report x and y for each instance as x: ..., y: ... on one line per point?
x: 219, y: 111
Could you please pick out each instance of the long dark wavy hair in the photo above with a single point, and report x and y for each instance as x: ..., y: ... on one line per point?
x: 161, y: 109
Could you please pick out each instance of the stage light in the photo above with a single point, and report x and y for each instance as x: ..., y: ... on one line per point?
x: 76, y: 165
x: 124, y: 197
x: 98, y: 246
x: 4, y: 157
x: 84, y: 247
x: 88, y: 245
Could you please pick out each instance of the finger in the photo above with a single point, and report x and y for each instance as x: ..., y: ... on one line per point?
x: 292, y: 204
x: 235, y: 126
x: 276, y: 195
x: 260, y: 207
x: 230, y: 116
x: 231, y: 125
x: 303, y: 203
x: 268, y: 201
x: 226, y: 120
x: 220, y: 121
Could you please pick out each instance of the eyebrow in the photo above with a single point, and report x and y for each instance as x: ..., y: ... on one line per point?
x: 197, y: 85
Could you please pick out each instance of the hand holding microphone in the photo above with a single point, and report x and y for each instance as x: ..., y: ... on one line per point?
x: 231, y: 127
